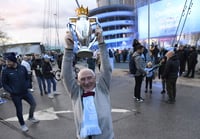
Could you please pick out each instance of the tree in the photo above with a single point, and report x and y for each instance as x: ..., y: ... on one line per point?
x: 3, y: 36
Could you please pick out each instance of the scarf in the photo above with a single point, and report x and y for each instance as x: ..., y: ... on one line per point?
x: 90, y: 125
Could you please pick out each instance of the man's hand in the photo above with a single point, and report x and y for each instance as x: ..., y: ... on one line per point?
x: 98, y: 33
x: 69, y: 40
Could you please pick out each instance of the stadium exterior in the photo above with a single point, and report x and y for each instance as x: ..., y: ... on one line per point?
x: 118, y: 23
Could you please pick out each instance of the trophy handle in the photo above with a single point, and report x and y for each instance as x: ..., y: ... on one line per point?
x: 75, y: 39
x: 95, y: 38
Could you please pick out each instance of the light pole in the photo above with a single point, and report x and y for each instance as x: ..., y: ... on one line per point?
x: 149, y: 23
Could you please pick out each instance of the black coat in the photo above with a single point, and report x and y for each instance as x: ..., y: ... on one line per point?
x: 37, y: 67
x: 171, y: 68
x: 46, y: 70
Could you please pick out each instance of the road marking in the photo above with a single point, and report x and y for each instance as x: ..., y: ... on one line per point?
x: 49, y: 114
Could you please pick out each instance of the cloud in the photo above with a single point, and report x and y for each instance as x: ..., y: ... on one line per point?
x: 27, y: 16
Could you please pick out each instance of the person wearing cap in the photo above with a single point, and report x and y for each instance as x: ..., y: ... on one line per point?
x: 15, y: 82
x: 90, y: 99
x: 48, y: 75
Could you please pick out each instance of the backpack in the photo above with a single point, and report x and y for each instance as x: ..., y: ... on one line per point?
x: 132, y: 66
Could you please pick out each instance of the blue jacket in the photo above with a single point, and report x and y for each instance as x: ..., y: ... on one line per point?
x: 15, y: 80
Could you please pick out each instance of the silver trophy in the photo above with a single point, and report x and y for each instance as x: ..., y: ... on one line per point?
x: 81, y: 28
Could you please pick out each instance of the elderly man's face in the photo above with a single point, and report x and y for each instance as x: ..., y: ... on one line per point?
x: 87, y: 80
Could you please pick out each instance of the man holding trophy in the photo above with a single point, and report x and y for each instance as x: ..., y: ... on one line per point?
x: 90, y: 99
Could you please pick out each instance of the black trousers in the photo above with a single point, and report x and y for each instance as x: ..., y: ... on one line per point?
x: 171, y: 88
x: 149, y: 83
x: 138, y: 85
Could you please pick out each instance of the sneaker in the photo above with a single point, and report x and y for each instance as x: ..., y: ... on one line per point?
x: 56, y: 93
x: 50, y: 96
x: 134, y: 98
x: 31, y: 90
x: 33, y: 120
x: 24, y: 128
x: 169, y: 102
x: 139, y: 100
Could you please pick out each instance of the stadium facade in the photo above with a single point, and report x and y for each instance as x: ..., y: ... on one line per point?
x: 118, y: 23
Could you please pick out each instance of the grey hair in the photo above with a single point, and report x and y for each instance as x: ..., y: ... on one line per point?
x: 85, y: 70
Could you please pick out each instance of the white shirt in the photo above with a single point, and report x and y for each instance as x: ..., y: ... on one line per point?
x: 27, y: 66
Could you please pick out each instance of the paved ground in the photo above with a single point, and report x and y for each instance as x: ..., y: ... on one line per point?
x: 152, y: 119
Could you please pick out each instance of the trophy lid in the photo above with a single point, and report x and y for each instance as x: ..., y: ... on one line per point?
x: 82, y: 11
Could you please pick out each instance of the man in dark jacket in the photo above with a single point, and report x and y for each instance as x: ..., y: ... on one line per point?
x: 15, y: 82
x: 170, y: 74
x: 192, y: 61
x: 37, y: 67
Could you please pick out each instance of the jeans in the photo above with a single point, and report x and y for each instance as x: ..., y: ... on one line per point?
x: 17, y: 100
x: 138, y: 85
x: 41, y: 83
x: 30, y: 81
x: 49, y: 81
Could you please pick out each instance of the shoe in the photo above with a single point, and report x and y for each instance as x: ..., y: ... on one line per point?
x: 24, y: 128
x: 45, y: 92
x: 135, y: 98
x: 145, y: 91
x: 162, y: 92
x: 56, y: 93
x: 50, y: 96
x: 33, y: 120
x: 150, y: 91
x: 170, y: 102
x: 31, y: 90
x: 140, y: 100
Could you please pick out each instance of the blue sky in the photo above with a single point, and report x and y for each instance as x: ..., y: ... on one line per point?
x: 23, y: 19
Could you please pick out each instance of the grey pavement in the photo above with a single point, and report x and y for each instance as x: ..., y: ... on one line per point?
x: 152, y: 119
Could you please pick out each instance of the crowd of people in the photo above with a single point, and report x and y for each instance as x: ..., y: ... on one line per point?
x: 167, y: 65
x: 16, y: 79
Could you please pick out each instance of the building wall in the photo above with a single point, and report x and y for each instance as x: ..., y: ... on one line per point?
x: 101, y: 3
x: 22, y: 48
x: 118, y: 23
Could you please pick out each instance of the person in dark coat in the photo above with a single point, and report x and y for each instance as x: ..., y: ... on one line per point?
x: 37, y: 67
x: 170, y: 74
x: 160, y: 72
x: 181, y: 53
x: 192, y: 61
x: 15, y: 82
x: 47, y: 71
